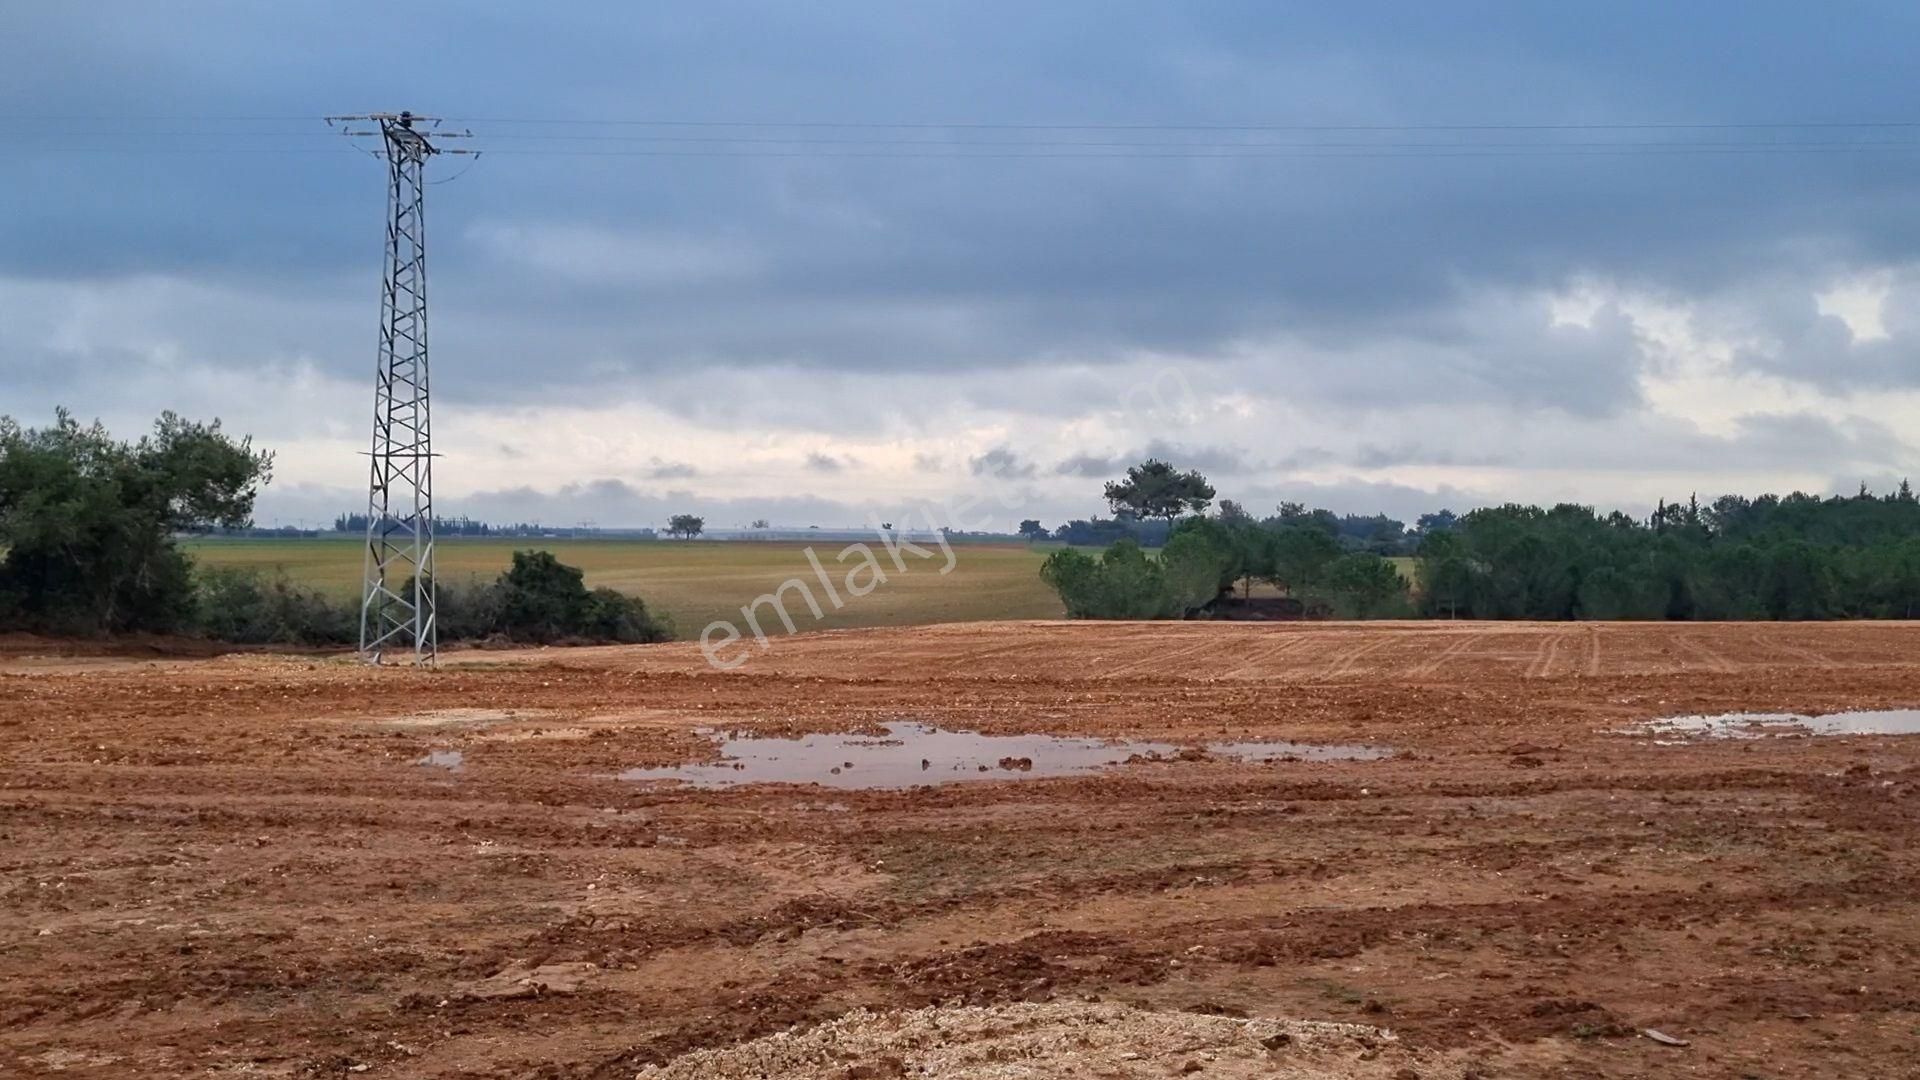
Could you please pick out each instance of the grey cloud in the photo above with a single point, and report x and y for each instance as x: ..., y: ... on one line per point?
x: 1092, y: 466
x: 1789, y: 335
x: 1400, y: 501
x: 1002, y: 463
x: 1377, y: 456
x: 1803, y: 439
x: 1207, y: 459
x: 824, y: 463
x: 659, y: 469
x: 850, y: 265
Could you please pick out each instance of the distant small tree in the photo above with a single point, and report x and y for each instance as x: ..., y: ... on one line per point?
x: 1155, y: 489
x: 1232, y: 513
x: 685, y: 525
x: 1033, y: 530
x: 761, y: 523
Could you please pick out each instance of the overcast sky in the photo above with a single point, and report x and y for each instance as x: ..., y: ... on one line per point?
x: 1371, y: 256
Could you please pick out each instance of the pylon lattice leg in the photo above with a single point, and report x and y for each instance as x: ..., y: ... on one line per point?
x: 397, y: 606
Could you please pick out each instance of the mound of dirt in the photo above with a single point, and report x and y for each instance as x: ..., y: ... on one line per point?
x: 1030, y: 1041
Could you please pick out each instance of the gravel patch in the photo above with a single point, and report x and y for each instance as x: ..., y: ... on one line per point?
x: 1029, y: 1041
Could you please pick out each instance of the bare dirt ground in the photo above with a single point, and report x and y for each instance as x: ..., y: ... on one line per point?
x: 234, y: 866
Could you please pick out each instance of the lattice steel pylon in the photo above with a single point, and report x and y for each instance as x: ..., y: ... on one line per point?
x: 397, y: 601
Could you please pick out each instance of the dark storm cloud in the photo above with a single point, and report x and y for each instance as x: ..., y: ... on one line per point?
x: 607, y: 268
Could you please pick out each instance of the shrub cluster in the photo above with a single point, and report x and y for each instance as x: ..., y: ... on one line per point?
x: 1205, y: 557
x: 538, y: 600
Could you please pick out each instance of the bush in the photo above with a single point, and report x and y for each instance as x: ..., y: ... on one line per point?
x: 466, y: 610
x: 249, y: 608
x: 539, y: 600
x: 614, y: 616
x: 1122, y: 584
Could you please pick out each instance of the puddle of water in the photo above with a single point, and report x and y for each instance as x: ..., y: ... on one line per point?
x: 452, y: 760
x: 911, y: 755
x: 1764, y: 725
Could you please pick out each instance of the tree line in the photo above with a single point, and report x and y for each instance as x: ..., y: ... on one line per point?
x: 356, y: 525
x: 1796, y: 556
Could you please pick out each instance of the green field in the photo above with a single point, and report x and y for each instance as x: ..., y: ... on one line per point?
x: 699, y: 581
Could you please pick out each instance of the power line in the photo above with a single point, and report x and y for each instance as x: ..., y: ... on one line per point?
x: 960, y: 153
x: 1004, y: 126
x: 864, y: 140
x: 812, y: 140
x: 979, y: 125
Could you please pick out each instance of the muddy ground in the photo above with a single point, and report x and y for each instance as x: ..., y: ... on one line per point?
x: 235, y: 866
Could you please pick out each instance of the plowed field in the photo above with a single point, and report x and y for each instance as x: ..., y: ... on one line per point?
x: 237, y: 866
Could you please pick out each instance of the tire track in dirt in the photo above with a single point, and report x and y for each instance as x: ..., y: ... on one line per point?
x: 1159, y: 660
x: 966, y: 660
x: 1432, y: 664
x: 1710, y: 658
x: 1546, y: 655
x: 1772, y: 643
x: 1292, y: 641
x: 1349, y: 661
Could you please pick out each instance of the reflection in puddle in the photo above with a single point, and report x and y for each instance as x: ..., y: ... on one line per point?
x: 443, y: 759
x: 1762, y: 725
x: 910, y: 755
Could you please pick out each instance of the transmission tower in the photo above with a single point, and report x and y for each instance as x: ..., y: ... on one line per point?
x: 397, y: 601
